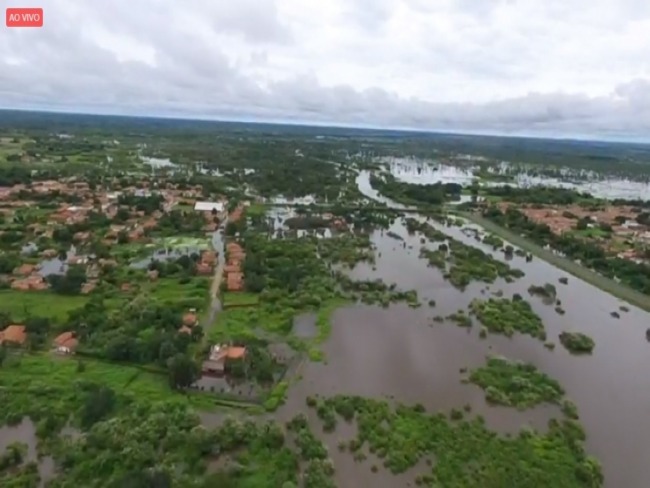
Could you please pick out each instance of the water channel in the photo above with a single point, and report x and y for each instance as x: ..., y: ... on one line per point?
x: 398, y: 352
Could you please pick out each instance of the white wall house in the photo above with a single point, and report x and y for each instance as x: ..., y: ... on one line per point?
x: 209, y: 206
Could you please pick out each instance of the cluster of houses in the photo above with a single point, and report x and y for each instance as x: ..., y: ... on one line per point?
x: 26, y: 277
x: 98, y: 200
x: 234, y: 275
x: 621, y: 219
x: 235, y: 257
x: 29, y: 277
x: 16, y: 335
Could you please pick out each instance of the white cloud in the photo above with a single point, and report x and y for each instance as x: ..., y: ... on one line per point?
x: 529, y: 66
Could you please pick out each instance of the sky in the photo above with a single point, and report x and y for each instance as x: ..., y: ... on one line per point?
x: 524, y: 67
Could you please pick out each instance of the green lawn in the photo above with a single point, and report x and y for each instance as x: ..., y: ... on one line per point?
x: 239, y: 299
x: 171, y: 290
x: 591, y: 232
x: 62, y: 372
x: 21, y: 304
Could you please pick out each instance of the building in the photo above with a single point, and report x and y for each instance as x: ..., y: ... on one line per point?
x: 190, y: 319
x: 66, y: 343
x: 220, y: 354
x: 209, y: 206
x: 13, y: 334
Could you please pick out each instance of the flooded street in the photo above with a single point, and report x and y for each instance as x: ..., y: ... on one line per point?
x: 399, y: 352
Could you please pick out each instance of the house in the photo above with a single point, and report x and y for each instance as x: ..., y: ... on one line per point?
x: 32, y: 282
x: 209, y: 206
x: 24, y: 269
x: 203, y: 269
x: 185, y: 330
x: 235, y: 281
x: 13, y: 334
x: 209, y: 257
x: 190, y: 319
x: 220, y: 354
x: 66, y: 343
x: 88, y: 287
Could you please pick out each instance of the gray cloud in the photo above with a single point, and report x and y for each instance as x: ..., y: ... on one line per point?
x: 517, y: 67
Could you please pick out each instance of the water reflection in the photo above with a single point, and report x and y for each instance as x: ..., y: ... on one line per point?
x: 25, y: 433
x: 610, y: 384
x: 424, y: 172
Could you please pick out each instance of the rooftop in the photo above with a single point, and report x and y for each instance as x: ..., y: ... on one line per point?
x: 13, y: 333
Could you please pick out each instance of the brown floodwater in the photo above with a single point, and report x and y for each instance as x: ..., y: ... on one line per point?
x: 399, y: 353
x: 25, y: 433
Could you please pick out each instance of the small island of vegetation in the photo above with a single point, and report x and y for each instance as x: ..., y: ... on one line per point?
x: 577, y: 342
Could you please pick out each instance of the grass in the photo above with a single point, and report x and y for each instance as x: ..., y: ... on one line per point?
x: 592, y: 232
x: 616, y: 289
x: 20, y: 304
x: 256, y: 210
x: 181, y: 242
x: 170, y: 290
x: 59, y: 372
x: 243, y: 299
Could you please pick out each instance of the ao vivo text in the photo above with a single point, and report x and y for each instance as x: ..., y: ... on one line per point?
x: 24, y: 17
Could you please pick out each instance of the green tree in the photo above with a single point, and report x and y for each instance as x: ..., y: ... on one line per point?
x: 182, y: 371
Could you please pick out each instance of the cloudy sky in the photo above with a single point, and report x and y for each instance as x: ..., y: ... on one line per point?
x: 554, y: 67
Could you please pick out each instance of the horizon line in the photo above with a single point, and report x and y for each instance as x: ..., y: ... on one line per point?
x: 342, y: 125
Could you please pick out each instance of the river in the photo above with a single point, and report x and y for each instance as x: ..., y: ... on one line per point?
x: 397, y: 352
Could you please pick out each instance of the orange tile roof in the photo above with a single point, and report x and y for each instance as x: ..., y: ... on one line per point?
x: 13, y: 333
x: 236, y: 352
x: 189, y: 318
x: 61, y: 339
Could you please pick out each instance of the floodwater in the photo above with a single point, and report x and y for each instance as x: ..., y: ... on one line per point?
x: 165, y: 255
x: 399, y: 352
x: 304, y: 325
x: 25, y: 433
x: 429, y: 172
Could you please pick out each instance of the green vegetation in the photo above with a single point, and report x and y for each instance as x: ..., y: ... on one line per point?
x: 14, y: 471
x: 407, y: 193
x: 460, y: 263
x: 515, y: 384
x: 507, y: 316
x: 576, y: 269
x: 404, y: 436
x: 591, y: 256
x: 241, y: 299
x: 20, y: 305
x: 460, y: 318
x: 548, y: 292
x: 577, y: 342
x: 58, y: 378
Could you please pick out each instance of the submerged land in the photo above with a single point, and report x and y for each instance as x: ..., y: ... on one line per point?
x: 201, y: 304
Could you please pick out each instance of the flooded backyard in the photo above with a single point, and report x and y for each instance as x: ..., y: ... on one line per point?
x: 400, y: 353
x: 25, y: 433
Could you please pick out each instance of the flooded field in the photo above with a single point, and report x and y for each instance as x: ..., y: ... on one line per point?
x: 399, y: 352
x: 25, y: 433
x: 429, y: 172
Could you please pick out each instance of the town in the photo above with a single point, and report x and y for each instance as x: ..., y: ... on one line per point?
x: 230, y: 296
